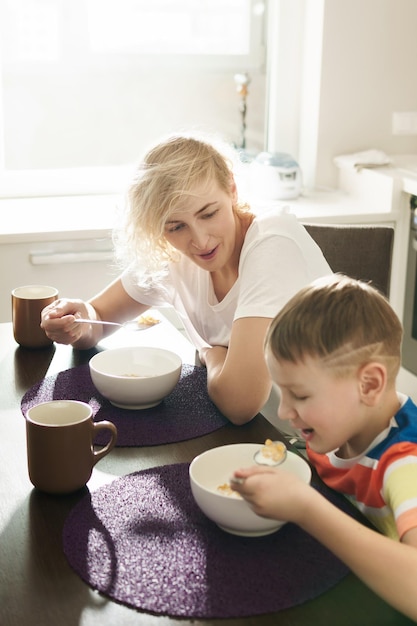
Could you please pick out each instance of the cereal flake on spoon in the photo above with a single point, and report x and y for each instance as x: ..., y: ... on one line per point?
x: 272, y: 453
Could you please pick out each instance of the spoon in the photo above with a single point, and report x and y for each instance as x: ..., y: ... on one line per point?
x: 130, y: 325
x: 273, y: 453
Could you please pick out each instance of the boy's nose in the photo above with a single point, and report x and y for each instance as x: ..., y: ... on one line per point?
x: 285, y: 411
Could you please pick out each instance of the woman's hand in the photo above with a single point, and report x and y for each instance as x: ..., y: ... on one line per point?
x: 112, y: 304
x: 58, y: 322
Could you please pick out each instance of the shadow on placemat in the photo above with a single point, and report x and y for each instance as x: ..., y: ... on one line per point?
x: 143, y: 542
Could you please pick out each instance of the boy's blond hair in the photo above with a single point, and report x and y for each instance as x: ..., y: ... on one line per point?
x: 344, y: 322
x: 169, y: 172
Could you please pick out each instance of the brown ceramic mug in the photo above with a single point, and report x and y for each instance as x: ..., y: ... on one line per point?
x: 60, y: 445
x: 27, y: 304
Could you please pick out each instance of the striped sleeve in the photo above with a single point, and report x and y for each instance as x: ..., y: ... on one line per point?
x: 399, y: 486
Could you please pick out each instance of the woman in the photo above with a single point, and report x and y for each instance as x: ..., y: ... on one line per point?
x: 194, y: 246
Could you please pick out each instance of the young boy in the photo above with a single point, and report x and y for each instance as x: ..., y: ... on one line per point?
x: 334, y: 351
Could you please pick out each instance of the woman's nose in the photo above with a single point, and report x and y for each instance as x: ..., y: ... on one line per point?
x: 199, y: 238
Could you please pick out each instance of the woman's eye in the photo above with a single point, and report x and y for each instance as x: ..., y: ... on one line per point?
x: 207, y: 216
x: 174, y: 228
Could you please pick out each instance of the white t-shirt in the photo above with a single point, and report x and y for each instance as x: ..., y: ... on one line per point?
x: 278, y: 257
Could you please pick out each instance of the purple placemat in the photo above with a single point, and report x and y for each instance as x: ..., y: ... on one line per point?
x: 186, y: 413
x: 143, y: 542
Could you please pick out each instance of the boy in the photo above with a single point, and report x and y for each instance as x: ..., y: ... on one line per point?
x: 334, y: 351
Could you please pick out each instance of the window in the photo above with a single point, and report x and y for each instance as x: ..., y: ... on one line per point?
x: 162, y: 27
x: 87, y: 85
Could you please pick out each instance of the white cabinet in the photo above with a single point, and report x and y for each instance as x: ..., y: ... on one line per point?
x: 77, y: 267
x: 61, y: 241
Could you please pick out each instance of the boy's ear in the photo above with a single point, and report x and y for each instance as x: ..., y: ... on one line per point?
x: 372, y: 381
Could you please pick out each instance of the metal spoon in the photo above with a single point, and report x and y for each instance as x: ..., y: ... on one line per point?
x: 130, y: 325
x: 273, y: 453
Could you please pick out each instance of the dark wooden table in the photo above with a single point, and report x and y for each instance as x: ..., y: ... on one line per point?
x: 38, y: 587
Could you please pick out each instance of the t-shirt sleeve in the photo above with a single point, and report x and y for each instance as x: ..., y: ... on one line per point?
x: 150, y: 291
x: 272, y: 272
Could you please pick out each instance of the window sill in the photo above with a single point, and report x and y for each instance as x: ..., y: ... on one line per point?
x: 60, y: 217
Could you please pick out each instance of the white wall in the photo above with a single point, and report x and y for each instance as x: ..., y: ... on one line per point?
x: 351, y: 64
x: 369, y: 63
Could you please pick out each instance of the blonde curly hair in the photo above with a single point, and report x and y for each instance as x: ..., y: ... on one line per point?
x: 170, y: 170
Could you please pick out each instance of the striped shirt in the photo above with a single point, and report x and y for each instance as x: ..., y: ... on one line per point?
x: 381, y: 482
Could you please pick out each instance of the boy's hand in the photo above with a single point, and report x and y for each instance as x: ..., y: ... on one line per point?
x: 273, y: 493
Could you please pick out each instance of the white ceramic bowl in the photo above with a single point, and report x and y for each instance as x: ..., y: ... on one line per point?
x: 136, y: 377
x: 214, y: 467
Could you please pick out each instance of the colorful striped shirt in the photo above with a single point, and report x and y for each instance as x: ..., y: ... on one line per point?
x: 381, y: 482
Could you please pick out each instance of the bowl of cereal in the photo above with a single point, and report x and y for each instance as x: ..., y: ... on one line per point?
x: 210, y: 474
x: 135, y: 377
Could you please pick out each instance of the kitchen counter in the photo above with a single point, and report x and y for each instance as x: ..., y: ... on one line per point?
x: 74, y: 229
x: 43, y: 237
x: 83, y: 217
x: 404, y: 168
x: 370, y: 195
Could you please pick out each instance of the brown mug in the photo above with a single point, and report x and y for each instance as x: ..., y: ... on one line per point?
x: 60, y: 445
x: 27, y: 304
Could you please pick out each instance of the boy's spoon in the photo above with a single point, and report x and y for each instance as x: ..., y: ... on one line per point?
x: 272, y: 453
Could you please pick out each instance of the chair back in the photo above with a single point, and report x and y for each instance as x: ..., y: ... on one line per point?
x: 362, y: 252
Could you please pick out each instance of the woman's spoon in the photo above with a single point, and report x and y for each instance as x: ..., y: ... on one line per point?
x: 138, y: 324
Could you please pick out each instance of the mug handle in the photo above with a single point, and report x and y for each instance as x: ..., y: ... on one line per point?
x: 104, y: 425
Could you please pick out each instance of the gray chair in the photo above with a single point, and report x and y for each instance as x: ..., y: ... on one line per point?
x: 362, y: 252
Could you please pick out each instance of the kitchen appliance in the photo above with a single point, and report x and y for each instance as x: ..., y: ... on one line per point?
x: 409, y: 351
x: 275, y: 176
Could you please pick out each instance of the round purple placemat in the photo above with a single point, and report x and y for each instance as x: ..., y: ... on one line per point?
x: 143, y: 542
x: 186, y: 413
